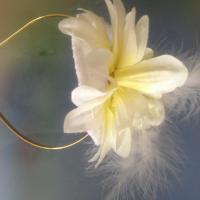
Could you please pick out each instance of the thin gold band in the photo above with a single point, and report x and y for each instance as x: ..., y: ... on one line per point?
x: 8, y: 124
x: 32, y: 143
x: 30, y: 23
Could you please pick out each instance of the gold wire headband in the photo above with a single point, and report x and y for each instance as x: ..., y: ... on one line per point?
x: 7, y: 123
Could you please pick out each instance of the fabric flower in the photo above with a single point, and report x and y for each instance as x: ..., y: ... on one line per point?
x: 120, y: 83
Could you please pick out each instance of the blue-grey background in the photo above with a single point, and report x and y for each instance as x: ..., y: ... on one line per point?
x: 36, y: 77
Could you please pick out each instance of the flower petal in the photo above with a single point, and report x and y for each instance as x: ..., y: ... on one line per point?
x: 83, y: 94
x: 142, y: 32
x: 129, y: 47
x: 117, y: 14
x: 95, y: 135
x: 108, y: 135
x: 155, y: 76
x: 80, y: 50
x: 98, y: 62
x: 91, y: 65
x: 125, y: 143
x: 134, y: 110
x: 100, y: 25
x: 92, y: 34
x: 85, y: 117
x: 76, y: 121
x: 149, y: 53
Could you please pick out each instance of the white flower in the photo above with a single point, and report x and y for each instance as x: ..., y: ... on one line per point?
x: 120, y: 83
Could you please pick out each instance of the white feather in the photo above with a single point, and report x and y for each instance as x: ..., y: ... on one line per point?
x: 155, y: 156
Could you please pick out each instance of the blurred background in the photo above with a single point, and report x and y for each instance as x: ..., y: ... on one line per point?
x: 36, y: 77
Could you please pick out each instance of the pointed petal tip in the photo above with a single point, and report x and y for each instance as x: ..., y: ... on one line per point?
x: 60, y: 25
x: 180, y: 67
x: 64, y: 25
x: 65, y: 125
x: 144, y: 20
x: 146, y: 17
x: 134, y: 9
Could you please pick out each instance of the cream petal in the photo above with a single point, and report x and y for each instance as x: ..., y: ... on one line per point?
x: 83, y: 29
x: 83, y: 94
x: 114, y: 22
x: 120, y: 9
x: 99, y: 58
x: 155, y: 76
x: 108, y: 135
x: 101, y: 154
x: 95, y: 135
x: 156, y: 112
x: 100, y: 25
x: 85, y: 117
x: 125, y: 143
x: 148, y: 112
x: 120, y: 106
x: 135, y: 110
x: 76, y: 121
x: 117, y: 15
x: 142, y: 32
x: 91, y: 64
x: 80, y: 50
x: 112, y: 12
x: 98, y: 62
x: 120, y: 21
x: 129, y: 47
x: 74, y: 27
x: 96, y: 126
x: 149, y: 53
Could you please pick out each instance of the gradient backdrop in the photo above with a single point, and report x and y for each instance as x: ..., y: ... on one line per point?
x: 36, y: 77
